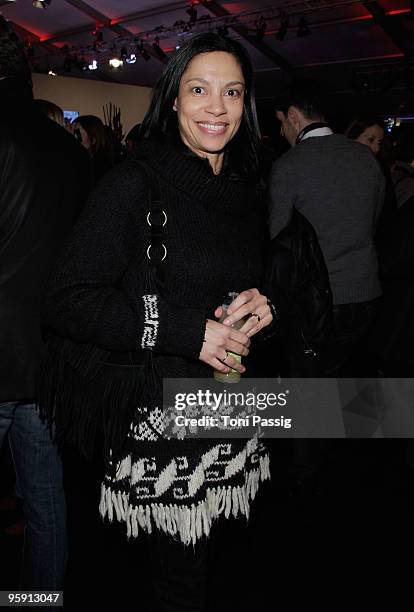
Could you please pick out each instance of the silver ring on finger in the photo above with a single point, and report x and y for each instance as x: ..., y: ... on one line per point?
x: 224, y: 358
x: 254, y: 314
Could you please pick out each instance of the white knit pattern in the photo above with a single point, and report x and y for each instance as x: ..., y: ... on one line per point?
x: 151, y: 322
x: 189, y: 522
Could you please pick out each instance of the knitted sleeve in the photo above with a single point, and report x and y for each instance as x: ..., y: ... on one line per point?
x: 86, y: 302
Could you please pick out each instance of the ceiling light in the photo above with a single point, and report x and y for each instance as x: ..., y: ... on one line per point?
x: 223, y: 30
x: 41, y: 4
x: 143, y: 52
x: 115, y: 63
x: 157, y: 48
x: 283, y: 28
x: 93, y: 65
x: 192, y: 12
x: 52, y: 73
x: 131, y: 59
x: 68, y: 63
x: 303, y: 28
x: 261, y: 27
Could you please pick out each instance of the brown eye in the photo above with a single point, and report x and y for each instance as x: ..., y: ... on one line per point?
x: 233, y: 93
x: 198, y: 90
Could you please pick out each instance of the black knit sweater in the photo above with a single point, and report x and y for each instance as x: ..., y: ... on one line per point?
x: 213, y: 237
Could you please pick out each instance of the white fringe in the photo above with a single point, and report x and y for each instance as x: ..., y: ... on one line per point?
x: 188, y: 524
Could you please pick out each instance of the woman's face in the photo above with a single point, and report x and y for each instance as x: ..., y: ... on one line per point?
x: 209, y: 104
x: 372, y: 136
x: 82, y: 135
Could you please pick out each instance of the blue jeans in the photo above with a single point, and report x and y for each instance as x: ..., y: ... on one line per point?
x: 39, y: 483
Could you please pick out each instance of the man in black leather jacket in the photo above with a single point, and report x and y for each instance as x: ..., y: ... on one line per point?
x: 44, y: 180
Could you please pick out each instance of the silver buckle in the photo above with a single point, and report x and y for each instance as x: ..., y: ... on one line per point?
x: 149, y: 218
x: 149, y: 250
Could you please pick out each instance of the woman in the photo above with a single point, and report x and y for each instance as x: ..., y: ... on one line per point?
x: 368, y: 131
x: 51, y: 110
x: 143, y: 287
x: 97, y: 140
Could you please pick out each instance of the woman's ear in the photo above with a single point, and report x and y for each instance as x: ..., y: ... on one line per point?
x: 175, y: 105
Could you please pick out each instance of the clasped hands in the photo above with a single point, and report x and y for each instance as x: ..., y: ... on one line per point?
x: 222, y: 338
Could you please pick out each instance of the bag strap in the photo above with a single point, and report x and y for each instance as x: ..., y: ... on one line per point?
x: 156, y: 219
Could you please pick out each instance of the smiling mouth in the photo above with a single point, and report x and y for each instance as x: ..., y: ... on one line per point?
x: 215, y: 128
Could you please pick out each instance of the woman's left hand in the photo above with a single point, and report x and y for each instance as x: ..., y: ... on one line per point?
x: 253, y: 305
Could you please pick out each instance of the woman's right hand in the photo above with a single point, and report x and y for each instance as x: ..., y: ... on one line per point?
x: 218, y: 340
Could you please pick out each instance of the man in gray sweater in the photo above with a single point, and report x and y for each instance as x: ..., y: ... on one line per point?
x: 338, y: 186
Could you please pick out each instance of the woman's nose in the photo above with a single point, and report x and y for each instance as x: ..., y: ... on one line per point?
x: 216, y: 105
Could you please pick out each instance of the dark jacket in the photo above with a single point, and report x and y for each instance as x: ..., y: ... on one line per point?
x: 44, y: 179
x: 298, y: 283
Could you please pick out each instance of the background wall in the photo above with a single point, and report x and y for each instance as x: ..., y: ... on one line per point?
x: 88, y: 97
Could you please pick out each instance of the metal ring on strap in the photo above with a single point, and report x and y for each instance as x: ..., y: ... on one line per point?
x: 149, y: 218
x: 149, y: 250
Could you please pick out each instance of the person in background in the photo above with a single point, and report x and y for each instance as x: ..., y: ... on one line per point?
x: 368, y: 131
x: 44, y: 180
x: 95, y: 137
x: 133, y: 138
x: 51, y: 110
x: 393, y: 336
x: 339, y: 187
x: 402, y: 173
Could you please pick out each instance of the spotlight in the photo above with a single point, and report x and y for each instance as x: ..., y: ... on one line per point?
x: 157, y: 49
x: 261, y: 27
x: 68, y: 63
x: 283, y: 28
x: 115, y: 63
x: 223, y: 30
x: 93, y: 65
x: 143, y: 52
x: 4, y: 25
x: 192, y: 12
x: 41, y: 4
x: 81, y: 64
x: 98, y: 40
x: 131, y: 59
x: 303, y: 28
x: 52, y: 73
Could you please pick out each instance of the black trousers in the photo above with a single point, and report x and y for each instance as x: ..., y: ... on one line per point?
x: 179, y: 573
x: 345, y: 354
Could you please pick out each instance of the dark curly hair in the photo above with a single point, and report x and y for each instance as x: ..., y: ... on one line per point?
x: 13, y: 59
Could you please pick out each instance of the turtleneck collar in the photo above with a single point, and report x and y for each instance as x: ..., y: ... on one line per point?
x: 187, y: 172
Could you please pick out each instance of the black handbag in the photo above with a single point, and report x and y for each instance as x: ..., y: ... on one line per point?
x: 88, y: 393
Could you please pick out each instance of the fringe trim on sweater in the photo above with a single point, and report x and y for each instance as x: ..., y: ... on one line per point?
x: 185, y: 523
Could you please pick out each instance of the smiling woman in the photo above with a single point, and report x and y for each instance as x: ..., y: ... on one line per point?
x: 208, y: 86
x: 210, y: 107
x: 165, y: 236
